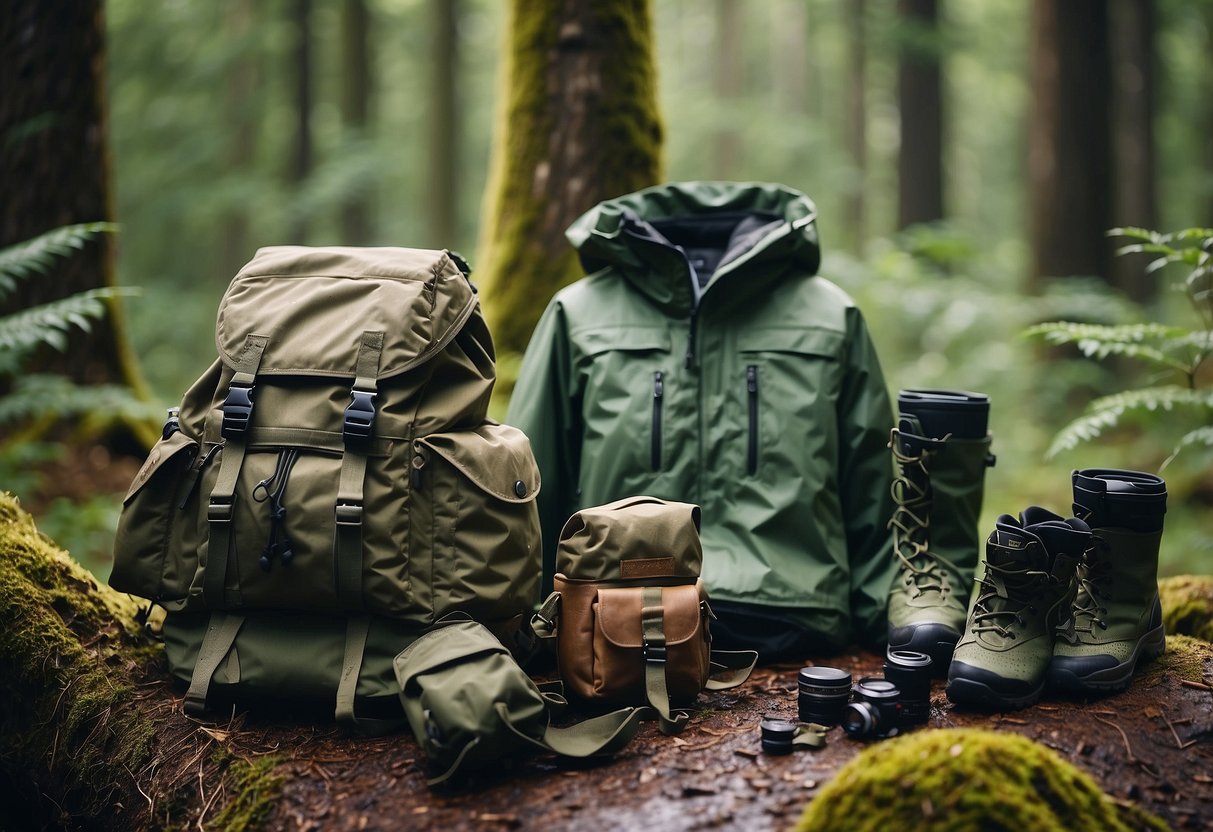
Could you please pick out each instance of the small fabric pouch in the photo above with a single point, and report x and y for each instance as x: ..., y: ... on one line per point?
x: 469, y: 705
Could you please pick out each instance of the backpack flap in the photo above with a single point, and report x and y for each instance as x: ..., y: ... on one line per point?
x: 634, y: 539
x: 300, y: 298
x: 469, y: 704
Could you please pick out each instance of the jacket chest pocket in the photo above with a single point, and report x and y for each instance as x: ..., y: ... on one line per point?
x: 787, y: 385
x: 626, y: 373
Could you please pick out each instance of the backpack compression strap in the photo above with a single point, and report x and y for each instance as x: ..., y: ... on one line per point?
x: 221, y: 632
x: 357, y: 430
x: 237, y: 415
x: 356, y: 631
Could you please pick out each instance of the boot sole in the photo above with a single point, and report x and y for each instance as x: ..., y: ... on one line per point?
x: 936, y: 640
x: 1111, y: 679
x: 974, y: 694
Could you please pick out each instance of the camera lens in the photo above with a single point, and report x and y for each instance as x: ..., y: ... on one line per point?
x: 824, y: 692
x: 777, y: 736
x: 910, y: 671
x: 876, y: 711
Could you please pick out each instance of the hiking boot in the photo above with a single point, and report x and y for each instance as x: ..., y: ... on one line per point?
x: 1025, y: 593
x: 1116, y: 620
x: 941, y: 449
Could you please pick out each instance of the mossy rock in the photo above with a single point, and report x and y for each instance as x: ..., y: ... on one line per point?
x: 1186, y: 657
x: 1187, y: 605
x: 966, y: 779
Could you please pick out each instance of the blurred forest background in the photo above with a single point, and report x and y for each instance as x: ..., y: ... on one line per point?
x: 966, y: 159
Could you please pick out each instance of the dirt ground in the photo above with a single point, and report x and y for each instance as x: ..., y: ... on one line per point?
x: 1152, y: 745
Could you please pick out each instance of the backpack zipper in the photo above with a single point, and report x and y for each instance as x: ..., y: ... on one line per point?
x: 658, y: 396
x: 751, y: 384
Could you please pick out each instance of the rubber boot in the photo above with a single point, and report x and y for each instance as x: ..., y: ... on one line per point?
x: 941, y: 450
x: 1027, y: 589
x: 1116, y: 621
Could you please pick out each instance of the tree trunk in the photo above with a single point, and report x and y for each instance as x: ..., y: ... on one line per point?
x: 442, y: 195
x: 578, y: 124
x: 920, y: 105
x: 729, y: 62
x: 240, y: 118
x: 857, y: 120
x: 355, y: 110
x: 301, y: 146
x: 55, y: 168
x: 1069, y: 145
x: 1133, y: 99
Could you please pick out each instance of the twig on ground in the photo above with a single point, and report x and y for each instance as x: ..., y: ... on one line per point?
x: 1123, y: 736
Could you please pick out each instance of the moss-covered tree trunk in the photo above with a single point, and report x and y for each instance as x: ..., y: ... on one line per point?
x: 91, y: 735
x: 577, y: 123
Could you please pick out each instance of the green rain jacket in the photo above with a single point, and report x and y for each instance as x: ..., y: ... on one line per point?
x: 701, y: 360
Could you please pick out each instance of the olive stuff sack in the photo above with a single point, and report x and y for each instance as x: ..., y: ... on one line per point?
x: 630, y: 613
x: 331, y: 485
x: 470, y: 705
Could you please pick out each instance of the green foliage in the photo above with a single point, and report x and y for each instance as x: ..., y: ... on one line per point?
x: 1175, y: 352
x: 36, y: 256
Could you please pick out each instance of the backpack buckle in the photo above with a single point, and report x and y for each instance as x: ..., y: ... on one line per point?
x: 655, y: 653
x: 237, y: 410
x: 359, y: 416
x: 348, y: 514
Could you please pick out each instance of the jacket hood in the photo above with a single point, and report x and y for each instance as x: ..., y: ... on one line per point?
x: 648, y: 235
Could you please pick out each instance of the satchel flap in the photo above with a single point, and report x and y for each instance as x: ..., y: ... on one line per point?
x: 619, y: 610
x: 314, y: 304
x: 496, y: 458
x: 654, y: 538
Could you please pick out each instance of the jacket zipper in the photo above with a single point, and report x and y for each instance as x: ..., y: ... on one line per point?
x: 658, y: 396
x: 751, y: 384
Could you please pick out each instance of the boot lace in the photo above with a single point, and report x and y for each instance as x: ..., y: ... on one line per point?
x: 1088, y: 608
x: 911, y: 522
x: 1003, y: 618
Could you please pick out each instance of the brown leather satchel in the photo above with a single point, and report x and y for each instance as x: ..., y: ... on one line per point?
x: 630, y: 613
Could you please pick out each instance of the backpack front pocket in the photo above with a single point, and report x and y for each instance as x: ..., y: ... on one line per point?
x: 474, y: 522
x: 155, y: 547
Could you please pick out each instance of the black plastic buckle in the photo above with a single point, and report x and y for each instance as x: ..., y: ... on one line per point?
x: 220, y: 510
x: 654, y: 653
x: 237, y: 411
x: 359, y: 416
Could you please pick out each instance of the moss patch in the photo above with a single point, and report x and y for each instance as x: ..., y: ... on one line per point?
x: 1186, y: 657
x: 1187, y: 605
x: 67, y: 649
x: 254, y: 786
x: 966, y: 779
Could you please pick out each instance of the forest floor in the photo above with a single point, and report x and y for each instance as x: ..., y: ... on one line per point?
x: 1151, y: 745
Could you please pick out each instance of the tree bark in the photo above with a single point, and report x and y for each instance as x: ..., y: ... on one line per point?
x: 857, y: 120
x: 301, y: 146
x: 1069, y: 145
x: 1133, y: 103
x: 356, y: 110
x: 729, y: 63
x: 55, y: 169
x: 442, y: 195
x: 240, y: 117
x: 578, y: 123
x: 920, y: 105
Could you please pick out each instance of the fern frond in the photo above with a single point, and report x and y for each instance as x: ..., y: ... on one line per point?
x: 1101, y: 341
x: 1107, y: 412
x: 38, y: 396
x: 1200, y: 436
x: 49, y: 323
x: 36, y: 255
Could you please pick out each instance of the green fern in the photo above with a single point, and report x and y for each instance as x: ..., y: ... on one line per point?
x: 50, y: 323
x: 1174, y: 348
x: 35, y: 396
x: 37, y: 255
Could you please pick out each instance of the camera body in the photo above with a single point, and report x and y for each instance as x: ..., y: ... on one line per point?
x: 876, y: 711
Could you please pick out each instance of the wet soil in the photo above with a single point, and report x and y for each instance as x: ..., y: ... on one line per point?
x: 1151, y: 745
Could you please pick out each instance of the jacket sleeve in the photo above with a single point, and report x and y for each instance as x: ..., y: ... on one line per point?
x: 865, y: 418
x: 542, y: 407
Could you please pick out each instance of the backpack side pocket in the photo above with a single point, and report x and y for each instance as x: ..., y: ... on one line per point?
x: 149, y: 556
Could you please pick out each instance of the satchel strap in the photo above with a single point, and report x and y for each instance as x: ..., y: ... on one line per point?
x: 729, y: 668
x: 652, y: 618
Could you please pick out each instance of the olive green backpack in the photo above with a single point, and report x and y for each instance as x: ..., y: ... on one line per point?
x: 331, y: 485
